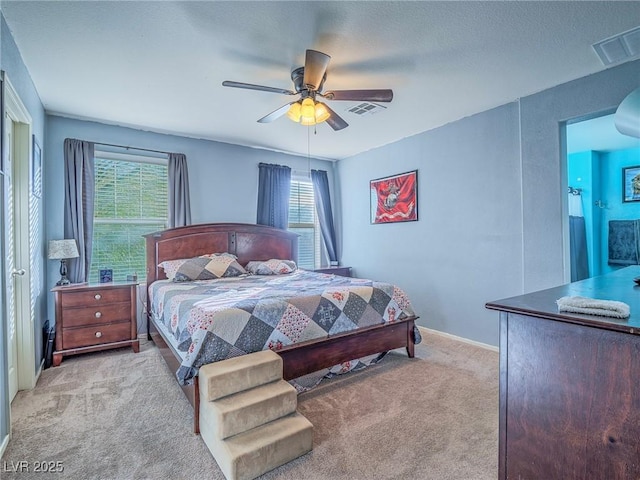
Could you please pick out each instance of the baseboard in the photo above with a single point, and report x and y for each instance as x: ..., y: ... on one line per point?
x: 39, y: 372
x: 430, y: 331
x: 3, y: 445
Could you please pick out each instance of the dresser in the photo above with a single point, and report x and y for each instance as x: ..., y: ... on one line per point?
x: 92, y: 317
x: 570, y: 384
x: 341, y: 271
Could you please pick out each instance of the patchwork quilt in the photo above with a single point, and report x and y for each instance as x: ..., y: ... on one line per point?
x: 213, y: 320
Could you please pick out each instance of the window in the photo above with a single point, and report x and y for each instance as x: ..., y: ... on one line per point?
x: 304, y: 221
x: 131, y: 199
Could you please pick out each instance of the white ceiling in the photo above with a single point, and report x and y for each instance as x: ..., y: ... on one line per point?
x: 159, y: 65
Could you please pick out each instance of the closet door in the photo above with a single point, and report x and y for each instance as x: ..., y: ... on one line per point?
x: 5, y: 402
x: 9, y: 257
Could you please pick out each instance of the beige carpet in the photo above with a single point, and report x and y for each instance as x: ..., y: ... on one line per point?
x: 119, y: 415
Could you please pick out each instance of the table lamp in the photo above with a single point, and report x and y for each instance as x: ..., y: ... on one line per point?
x: 61, y: 250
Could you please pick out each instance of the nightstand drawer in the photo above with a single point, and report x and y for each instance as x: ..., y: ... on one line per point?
x: 79, y: 317
x: 82, y: 337
x: 95, y: 297
x: 341, y: 271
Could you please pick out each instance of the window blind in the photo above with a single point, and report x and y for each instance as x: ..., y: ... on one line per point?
x: 303, y: 221
x: 131, y: 199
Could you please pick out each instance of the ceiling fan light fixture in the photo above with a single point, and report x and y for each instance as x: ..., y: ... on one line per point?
x: 322, y: 113
x: 294, y: 112
x: 307, y: 112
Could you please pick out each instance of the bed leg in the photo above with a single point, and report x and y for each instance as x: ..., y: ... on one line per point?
x: 410, y: 340
x: 410, y: 350
x: 149, y: 329
x: 196, y: 406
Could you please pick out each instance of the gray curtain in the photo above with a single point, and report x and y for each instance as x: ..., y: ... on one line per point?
x: 578, y: 248
x: 274, y: 186
x: 79, y: 190
x: 179, y: 203
x: 323, y: 209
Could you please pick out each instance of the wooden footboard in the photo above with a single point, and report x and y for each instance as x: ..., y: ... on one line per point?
x: 308, y: 357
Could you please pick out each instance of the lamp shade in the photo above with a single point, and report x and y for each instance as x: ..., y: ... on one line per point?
x: 307, y: 112
x: 321, y: 112
x: 59, y: 249
x: 294, y: 112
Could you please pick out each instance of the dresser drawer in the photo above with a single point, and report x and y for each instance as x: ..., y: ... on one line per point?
x: 113, y: 312
x: 95, y: 297
x: 95, y: 335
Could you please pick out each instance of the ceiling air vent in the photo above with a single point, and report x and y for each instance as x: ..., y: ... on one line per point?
x: 619, y: 48
x: 366, y: 108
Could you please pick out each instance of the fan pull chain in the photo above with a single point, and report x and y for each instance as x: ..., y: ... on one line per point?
x: 309, y: 149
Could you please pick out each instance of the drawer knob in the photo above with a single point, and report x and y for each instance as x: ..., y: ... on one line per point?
x: 98, y: 334
x: 97, y: 296
x: 98, y: 314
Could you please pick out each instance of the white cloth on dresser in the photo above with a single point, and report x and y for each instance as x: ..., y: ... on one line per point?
x: 592, y: 306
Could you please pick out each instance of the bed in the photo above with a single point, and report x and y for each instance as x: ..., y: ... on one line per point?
x: 308, y: 353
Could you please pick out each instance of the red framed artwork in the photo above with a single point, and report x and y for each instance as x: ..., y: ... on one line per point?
x: 395, y: 198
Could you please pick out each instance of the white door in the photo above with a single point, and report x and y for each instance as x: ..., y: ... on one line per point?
x: 17, y: 246
x: 12, y: 335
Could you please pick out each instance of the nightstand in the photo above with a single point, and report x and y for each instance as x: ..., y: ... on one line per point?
x: 92, y: 317
x: 342, y: 271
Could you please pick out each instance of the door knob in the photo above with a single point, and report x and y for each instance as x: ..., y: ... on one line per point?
x: 19, y: 272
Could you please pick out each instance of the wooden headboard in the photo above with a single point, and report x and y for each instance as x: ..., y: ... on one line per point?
x: 247, y: 242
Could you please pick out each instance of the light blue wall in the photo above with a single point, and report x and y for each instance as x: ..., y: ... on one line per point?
x: 466, y: 247
x: 595, y: 213
x: 223, y: 177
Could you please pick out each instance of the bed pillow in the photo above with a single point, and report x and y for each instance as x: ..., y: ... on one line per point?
x: 204, y: 267
x: 272, y: 267
x: 170, y: 267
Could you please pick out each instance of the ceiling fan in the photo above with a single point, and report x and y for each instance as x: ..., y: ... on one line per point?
x: 308, y: 82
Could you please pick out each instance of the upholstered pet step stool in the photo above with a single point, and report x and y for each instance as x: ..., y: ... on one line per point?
x: 248, y: 416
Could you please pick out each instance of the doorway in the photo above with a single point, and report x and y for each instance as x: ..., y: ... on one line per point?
x: 597, y: 158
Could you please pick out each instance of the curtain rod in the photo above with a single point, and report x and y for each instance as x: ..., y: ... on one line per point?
x: 131, y: 148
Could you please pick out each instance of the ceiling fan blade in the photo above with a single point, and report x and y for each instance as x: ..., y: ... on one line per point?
x: 276, y: 113
x: 315, y: 66
x: 262, y: 88
x: 335, y: 121
x: 360, y: 95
